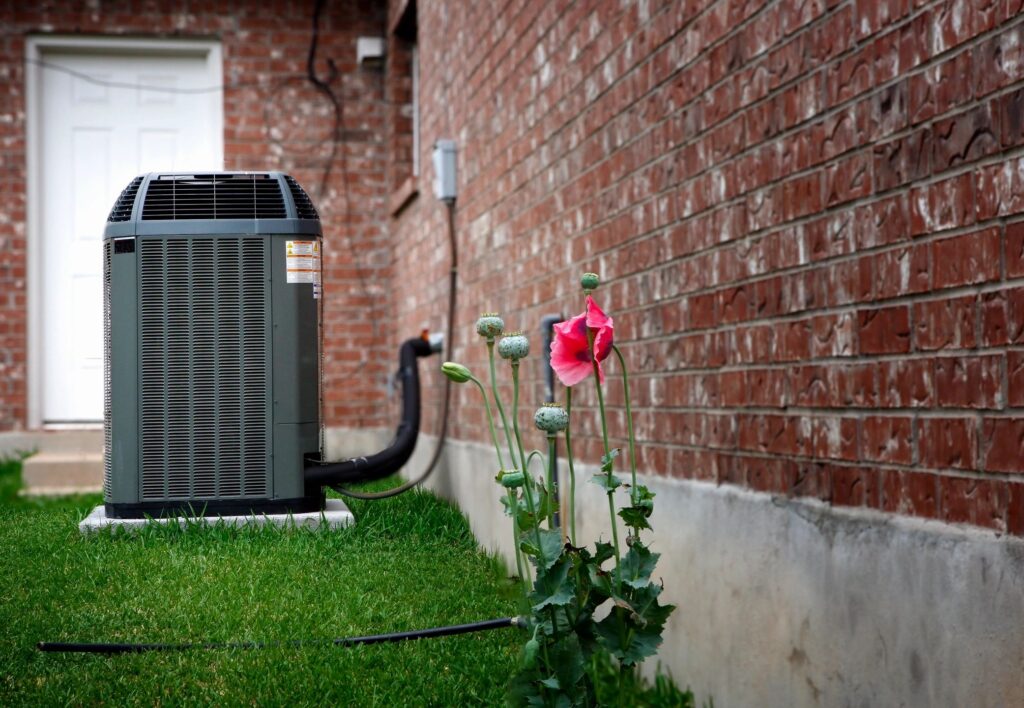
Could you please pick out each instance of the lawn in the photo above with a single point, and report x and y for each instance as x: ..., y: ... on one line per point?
x: 409, y: 562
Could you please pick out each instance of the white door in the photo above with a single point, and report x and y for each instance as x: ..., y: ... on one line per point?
x: 96, y: 135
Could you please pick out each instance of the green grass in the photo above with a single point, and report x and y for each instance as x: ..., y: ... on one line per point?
x: 409, y: 562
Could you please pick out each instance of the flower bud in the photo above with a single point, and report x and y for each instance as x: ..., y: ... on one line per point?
x: 490, y: 325
x: 457, y: 373
x: 530, y: 651
x: 511, y: 479
x: 589, y: 282
x: 551, y: 418
x: 513, y: 346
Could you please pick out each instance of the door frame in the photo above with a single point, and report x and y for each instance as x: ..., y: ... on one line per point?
x: 36, y: 47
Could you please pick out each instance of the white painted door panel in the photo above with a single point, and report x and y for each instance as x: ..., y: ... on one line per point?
x: 95, y: 137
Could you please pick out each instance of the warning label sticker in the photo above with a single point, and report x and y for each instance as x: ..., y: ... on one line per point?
x: 302, y: 263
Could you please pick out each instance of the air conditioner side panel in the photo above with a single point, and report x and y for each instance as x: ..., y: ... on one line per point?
x: 296, y: 364
x: 124, y: 373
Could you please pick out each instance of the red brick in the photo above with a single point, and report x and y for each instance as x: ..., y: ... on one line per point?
x: 903, y: 160
x: 974, y: 501
x: 887, y: 439
x: 965, y: 137
x: 913, y: 493
x: 884, y: 331
x: 1010, y: 109
x: 1015, y: 249
x: 996, y: 61
x: 1002, y: 317
x: 1015, y: 508
x: 969, y: 382
x: 945, y: 324
x: 906, y: 383
x: 855, y: 486
x: 968, y: 259
x: 1015, y: 378
x: 943, y: 205
x: 1000, y: 189
x: 1002, y: 441
x: 902, y: 271
x: 948, y: 442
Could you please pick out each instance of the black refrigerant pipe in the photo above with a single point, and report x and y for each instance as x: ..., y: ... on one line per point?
x: 392, y: 458
x: 119, y: 648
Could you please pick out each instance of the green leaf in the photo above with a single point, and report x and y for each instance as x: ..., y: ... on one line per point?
x: 604, y: 552
x: 552, y: 588
x: 643, y: 497
x: 551, y: 682
x: 637, y: 566
x: 635, y: 517
x: 608, y: 460
x: 551, y: 547
x: 643, y: 618
x: 607, y: 482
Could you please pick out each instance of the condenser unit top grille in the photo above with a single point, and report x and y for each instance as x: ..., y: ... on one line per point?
x: 161, y: 204
x: 220, y: 196
x: 303, y: 204
x: 122, y: 210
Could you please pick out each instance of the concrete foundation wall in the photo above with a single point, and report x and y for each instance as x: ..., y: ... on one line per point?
x: 792, y: 603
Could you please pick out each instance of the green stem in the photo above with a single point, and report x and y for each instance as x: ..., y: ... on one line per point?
x: 552, y: 481
x: 515, y: 412
x: 531, y: 455
x: 607, y: 451
x: 629, y: 420
x: 501, y: 408
x: 572, y: 472
x: 490, y: 422
x: 513, y: 499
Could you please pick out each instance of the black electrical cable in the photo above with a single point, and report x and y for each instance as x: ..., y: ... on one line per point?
x: 453, y: 276
x: 133, y: 648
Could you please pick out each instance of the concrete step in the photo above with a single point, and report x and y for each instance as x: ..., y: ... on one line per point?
x: 87, y: 441
x: 62, y: 473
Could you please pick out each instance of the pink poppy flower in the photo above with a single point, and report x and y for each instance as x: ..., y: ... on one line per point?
x: 570, y: 352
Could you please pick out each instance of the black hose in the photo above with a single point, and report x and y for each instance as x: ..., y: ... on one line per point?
x: 453, y: 277
x: 392, y: 458
x: 118, y: 648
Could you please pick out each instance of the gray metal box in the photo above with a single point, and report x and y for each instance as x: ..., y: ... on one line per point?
x: 211, y: 345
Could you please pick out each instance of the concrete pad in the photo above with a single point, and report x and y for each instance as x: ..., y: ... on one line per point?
x: 335, y: 515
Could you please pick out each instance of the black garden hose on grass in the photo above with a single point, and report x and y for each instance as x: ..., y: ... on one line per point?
x: 130, y: 648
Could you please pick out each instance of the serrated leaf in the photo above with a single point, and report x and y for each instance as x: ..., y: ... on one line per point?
x: 552, y: 588
x: 608, y: 460
x: 645, y: 619
x: 603, y: 551
x: 635, y: 517
x: 607, y: 482
x: 551, y: 682
x: 637, y: 566
x: 551, y: 546
x: 643, y: 497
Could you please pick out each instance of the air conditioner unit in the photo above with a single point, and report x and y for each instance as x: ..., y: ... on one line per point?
x: 211, y: 346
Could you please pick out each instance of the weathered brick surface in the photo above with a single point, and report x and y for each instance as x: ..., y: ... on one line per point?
x: 807, y: 216
x: 273, y: 119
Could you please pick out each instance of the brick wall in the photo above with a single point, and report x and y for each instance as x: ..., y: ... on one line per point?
x: 808, y: 217
x: 274, y: 119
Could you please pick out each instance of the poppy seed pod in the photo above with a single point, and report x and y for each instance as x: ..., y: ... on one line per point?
x: 490, y: 325
x: 551, y: 418
x: 512, y: 479
x: 589, y: 282
x: 513, y: 346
